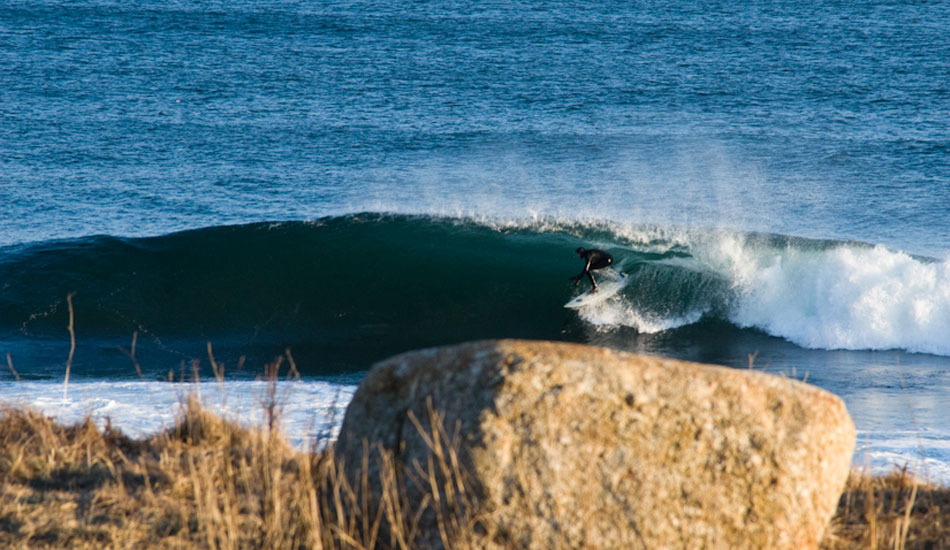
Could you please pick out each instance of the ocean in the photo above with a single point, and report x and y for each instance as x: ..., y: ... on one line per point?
x: 205, y: 190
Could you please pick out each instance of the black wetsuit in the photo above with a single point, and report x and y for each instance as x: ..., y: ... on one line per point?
x: 596, y: 259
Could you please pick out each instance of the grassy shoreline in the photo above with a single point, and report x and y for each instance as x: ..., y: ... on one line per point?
x: 211, y: 483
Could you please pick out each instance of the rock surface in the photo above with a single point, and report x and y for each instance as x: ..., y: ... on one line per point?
x: 570, y: 446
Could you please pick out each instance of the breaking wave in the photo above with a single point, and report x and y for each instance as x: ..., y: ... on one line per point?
x: 346, y: 291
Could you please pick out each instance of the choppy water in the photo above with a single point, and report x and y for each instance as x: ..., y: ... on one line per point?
x: 348, y: 180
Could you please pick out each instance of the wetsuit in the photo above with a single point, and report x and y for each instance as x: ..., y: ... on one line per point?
x: 596, y: 259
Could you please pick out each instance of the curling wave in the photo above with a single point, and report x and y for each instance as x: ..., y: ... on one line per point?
x: 342, y: 292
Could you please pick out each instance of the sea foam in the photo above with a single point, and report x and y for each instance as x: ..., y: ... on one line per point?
x: 311, y: 411
x: 840, y: 297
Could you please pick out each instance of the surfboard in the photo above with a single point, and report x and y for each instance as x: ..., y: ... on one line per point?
x: 612, y: 285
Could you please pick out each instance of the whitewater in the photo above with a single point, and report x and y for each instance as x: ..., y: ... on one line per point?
x: 817, y: 295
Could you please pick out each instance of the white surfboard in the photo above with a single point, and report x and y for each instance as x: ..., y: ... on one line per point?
x: 612, y: 285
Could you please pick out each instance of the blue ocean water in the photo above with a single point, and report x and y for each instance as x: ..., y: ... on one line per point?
x: 347, y: 180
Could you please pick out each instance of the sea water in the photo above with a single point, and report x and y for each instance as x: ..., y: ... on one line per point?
x: 327, y: 184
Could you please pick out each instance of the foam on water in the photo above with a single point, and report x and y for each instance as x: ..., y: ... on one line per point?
x: 617, y: 312
x: 924, y: 453
x: 311, y: 411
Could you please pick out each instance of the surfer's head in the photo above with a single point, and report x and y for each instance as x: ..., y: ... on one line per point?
x: 581, y: 251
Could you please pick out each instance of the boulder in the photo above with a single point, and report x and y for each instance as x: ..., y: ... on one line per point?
x: 571, y: 446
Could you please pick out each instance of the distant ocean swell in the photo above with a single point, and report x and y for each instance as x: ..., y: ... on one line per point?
x: 342, y: 292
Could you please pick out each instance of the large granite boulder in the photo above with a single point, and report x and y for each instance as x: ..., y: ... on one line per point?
x: 571, y: 446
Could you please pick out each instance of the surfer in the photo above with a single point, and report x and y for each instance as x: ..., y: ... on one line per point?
x: 596, y: 259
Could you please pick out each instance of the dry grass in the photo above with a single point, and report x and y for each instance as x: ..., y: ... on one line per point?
x: 212, y: 484
x: 893, y: 512
x: 205, y: 483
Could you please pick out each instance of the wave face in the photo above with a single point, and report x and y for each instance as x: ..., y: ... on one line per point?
x: 342, y: 292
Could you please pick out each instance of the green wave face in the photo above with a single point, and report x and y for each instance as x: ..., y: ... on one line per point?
x: 343, y: 292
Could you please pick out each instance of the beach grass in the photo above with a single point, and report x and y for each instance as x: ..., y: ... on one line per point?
x: 206, y: 482
x: 210, y: 483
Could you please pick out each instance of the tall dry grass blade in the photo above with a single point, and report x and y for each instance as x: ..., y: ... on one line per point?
x: 216, y: 368
x: 72, y: 344
x: 871, y: 514
x: 272, y: 401
x: 310, y: 512
x: 200, y: 512
x: 229, y: 494
x: 365, y: 491
x: 293, y: 372
x: 130, y: 353
x: 146, y: 480
x: 391, y: 501
x: 16, y: 375
x: 905, y: 525
x: 275, y: 509
x: 196, y: 377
